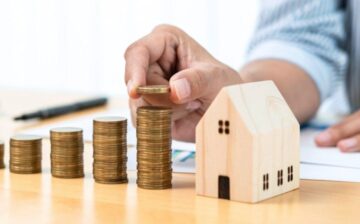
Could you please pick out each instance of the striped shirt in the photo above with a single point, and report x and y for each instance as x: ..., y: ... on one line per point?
x: 307, y: 33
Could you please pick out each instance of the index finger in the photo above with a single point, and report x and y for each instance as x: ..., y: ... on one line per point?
x: 139, y: 56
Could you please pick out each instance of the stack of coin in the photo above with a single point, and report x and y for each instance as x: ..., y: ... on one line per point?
x: 2, y: 147
x: 153, y: 133
x: 25, y: 154
x: 67, y: 147
x: 110, y: 150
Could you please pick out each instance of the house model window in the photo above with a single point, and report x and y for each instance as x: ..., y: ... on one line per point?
x: 280, y: 178
x: 290, y: 173
x: 265, y: 182
x: 224, y: 127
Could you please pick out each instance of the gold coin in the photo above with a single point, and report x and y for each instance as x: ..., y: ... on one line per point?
x: 26, y: 138
x: 67, y: 175
x: 153, y: 89
x: 110, y: 120
x: 109, y: 181
x: 66, y: 130
x: 153, y: 186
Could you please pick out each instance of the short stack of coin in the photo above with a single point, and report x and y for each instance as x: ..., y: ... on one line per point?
x: 110, y: 150
x: 25, y: 154
x: 67, y: 147
x: 2, y: 147
x: 153, y: 126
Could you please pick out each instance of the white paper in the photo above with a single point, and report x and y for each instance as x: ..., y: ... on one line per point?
x: 325, y: 156
x: 328, y: 173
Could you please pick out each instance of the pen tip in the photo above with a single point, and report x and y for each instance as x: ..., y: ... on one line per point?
x: 17, y: 118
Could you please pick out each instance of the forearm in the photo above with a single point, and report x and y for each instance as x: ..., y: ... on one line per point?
x: 298, y: 89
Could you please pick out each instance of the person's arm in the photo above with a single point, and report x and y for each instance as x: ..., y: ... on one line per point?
x: 299, y: 45
x: 301, y: 65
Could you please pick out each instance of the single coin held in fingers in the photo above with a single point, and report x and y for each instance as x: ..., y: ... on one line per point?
x: 153, y: 89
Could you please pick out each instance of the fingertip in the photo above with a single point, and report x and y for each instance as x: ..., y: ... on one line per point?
x: 348, y: 145
x: 131, y: 88
x: 180, y: 90
x: 173, y: 96
x: 134, y: 95
x: 323, y: 139
x: 317, y: 142
x: 340, y: 146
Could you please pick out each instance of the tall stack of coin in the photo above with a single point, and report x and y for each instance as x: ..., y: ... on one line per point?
x: 25, y: 154
x: 2, y: 147
x: 153, y: 126
x: 67, y: 147
x: 110, y: 150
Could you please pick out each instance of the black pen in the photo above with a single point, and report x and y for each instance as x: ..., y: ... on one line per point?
x: 64, y: 109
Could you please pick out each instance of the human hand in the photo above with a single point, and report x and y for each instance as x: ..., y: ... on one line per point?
x: 169, y: 56
x: 345, y: 135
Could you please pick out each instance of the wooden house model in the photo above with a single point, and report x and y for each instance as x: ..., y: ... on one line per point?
x: 247, y: 145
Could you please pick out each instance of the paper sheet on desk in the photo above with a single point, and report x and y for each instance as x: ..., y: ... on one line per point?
x: 327, y: 163
x: 316, y: 164
x: 329, y: 173
x: 325, y: 156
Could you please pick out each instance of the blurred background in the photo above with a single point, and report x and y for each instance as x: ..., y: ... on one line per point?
x: 78, y: 45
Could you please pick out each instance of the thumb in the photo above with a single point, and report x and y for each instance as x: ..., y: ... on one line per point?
x: 191, y: 84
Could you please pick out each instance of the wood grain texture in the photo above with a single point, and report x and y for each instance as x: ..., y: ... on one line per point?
x: 261, y: 143
x: 40, y: 198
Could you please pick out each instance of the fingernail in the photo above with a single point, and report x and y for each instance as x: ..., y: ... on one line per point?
x: 348, y: 145
x: 182, y: 89
x: 324, y: 138
x: 193, y: 105
x: 129, y: 86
